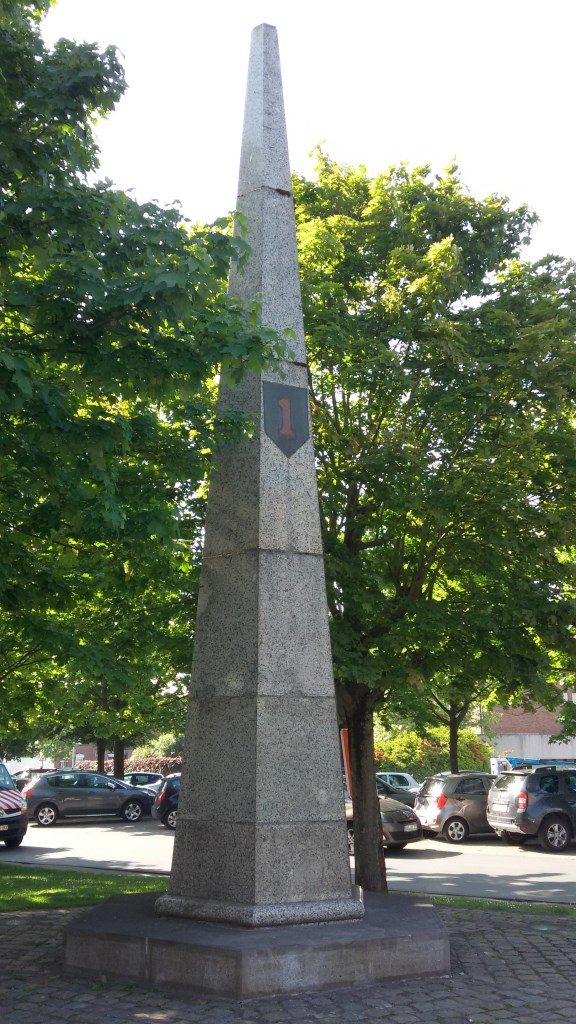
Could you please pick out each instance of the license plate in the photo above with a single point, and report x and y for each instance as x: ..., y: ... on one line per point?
x: 4, y: 828
x: 411, y: 828
x: 500, y: 808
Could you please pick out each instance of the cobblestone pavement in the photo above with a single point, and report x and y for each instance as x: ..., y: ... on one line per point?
x: 508, y: 968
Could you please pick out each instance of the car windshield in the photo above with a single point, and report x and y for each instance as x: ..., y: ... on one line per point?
x: 6, y: 780
x: 508, y: 782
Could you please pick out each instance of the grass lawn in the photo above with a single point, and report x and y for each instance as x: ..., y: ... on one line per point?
x: 28, y: 888
x: 474, y: 903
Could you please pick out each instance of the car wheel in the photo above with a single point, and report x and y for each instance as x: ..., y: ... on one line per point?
x: 396, y: 846
x: 169, y: 819
x: 455, y: 830
x: 554, y: 834
x: 513, y: 838
x: 46, y: 815
x: 13, y: 843
x: 132, y: 810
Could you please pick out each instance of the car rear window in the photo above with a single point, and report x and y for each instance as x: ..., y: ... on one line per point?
x: 509, y: 783
x: 431, y: 787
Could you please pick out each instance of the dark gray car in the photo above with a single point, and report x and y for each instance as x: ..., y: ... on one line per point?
x: 537, y: 801
x: 386, y: 790
x: 455, y: 805
x: 400, y: 825
x: 74, y: 794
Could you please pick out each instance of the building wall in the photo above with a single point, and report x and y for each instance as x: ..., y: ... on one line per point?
x: 539, y: 722
x: 527, y: 733
x: 533, y: 745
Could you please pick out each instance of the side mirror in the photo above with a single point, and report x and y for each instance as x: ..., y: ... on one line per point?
x: 110, y: 785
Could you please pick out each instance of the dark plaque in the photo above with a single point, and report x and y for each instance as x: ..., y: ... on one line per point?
x: 286, y: 417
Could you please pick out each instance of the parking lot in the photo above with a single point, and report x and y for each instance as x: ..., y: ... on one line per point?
x: 479, y: 867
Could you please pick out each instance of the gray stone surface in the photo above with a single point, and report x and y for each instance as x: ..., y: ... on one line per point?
x: 125, y: 939
x: 261, y: 824
x: 271, y: 276
x: 265, y: 609
x: 508, y: 967
x: 264, y: 155
x: 261, y: 863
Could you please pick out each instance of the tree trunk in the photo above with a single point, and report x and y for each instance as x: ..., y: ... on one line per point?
x: 101, y: 755
x: 453, y: 725
x: 368, y: 845
x: 118, y: 759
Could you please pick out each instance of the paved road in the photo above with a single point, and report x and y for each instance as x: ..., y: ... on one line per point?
x: 481, y: 867
x: 485, y: 867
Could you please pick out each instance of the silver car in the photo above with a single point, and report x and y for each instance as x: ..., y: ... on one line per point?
x: 74, y: 794
x: 455, y: 805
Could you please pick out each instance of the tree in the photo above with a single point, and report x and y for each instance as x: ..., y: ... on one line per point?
x: 425, y: 751
x: 113, y: 323
x: 167, y: 744
x: 442, y: 370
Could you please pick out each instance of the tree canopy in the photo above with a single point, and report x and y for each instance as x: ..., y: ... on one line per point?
x: 443, y: 380
x: 113, y: 323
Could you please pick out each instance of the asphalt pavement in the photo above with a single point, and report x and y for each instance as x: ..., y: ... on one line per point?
x: 480, y: 867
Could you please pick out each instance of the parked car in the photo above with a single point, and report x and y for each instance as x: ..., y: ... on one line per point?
x: 400, y: 825
x: 455, y: 805
x: 405, y: 796
x: 27, y: 775
x: 74, y: 794
x: 151, y: 780
x: 535, y: 801
x: 400, y: 780
x: 13, y: 810
x: 165, y: 806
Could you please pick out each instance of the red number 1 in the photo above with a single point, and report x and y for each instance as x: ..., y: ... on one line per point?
x: 286, y: 424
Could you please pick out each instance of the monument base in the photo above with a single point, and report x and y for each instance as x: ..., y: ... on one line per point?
x: 124, y: 939
x: 265, y: 915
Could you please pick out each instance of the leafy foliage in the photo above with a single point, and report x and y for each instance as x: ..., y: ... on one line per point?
x: 442, y: 371
x: 443, y: 374
x: 168, y: 744
x: 426, y: 754
x: 162, y: 763
x: 113, y: 323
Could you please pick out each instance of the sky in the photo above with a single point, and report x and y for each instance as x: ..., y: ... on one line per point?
x: 376, y: 82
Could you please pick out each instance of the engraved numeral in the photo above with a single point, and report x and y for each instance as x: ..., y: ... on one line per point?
x: 286, y: 414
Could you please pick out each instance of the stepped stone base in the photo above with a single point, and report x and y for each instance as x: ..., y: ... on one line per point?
x: 124, y: 939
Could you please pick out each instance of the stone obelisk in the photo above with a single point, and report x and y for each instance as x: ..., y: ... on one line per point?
x: 261, y: 836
